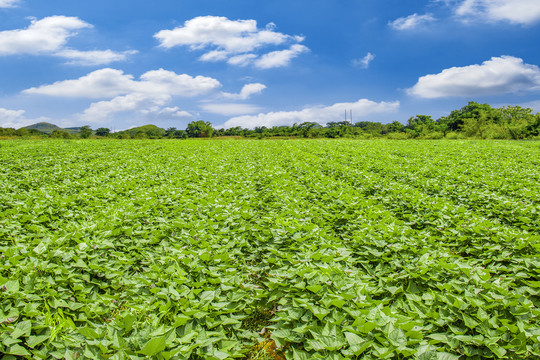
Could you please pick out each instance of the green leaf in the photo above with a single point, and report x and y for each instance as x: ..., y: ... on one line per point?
x: 34, y: 341
x: 24, y: 328
x: 18, y: 350
x: 300, y: 355
x: 154, y: 346
x: 88, y: 332
x: 356, y: 343
x: 497, y: 350
x: 12, y: 286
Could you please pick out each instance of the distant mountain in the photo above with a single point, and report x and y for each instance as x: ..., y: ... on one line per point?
x: 44, y: 127
x: 48, y: 128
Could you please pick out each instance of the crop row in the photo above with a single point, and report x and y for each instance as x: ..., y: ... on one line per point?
x: 218, y: 249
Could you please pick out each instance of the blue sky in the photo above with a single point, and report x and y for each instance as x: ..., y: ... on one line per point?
x: 120, y: 64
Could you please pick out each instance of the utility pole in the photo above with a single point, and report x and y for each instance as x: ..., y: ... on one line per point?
x: 351, y: 118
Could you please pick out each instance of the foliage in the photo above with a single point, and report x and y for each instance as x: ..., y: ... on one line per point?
x: 103, y: 131
x: 199, y: 128
x: 312, y: 249
x: 477, y: 121
x: 85, y: 132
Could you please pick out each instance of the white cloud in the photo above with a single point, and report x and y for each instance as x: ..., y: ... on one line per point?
x: 49, y: 36
x: 242, y: 60
x: 215, y: 56
x: 234, y: 41
x: 8, y: 3
x: 43, y: 36
x: 233, y: 36
x: 411, y: 22
x: 96, y: 57
x: 280, y: 58
x: 103, y: 110
x: 156, y: 112
x: 246, y: 92
x: 16, y: 119
x: 523, y: 12
x: 499, y: 75
x: 365, y: 61
x: 146, y: 96
x: 231, y: 109
x: 320, y: 114
x: 107, y: 83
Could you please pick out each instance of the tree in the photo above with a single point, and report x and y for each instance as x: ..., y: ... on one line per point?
x: 395, y: 126
x: 170, y: 132
x: 60, y: 134
x: 420, y: 125
x: 200, y: 129
x: 85, y: 132
x: 103, y: 131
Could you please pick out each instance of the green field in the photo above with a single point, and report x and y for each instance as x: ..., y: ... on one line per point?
x: 314, y: 249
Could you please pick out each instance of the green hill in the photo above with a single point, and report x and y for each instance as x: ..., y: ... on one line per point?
x: 48, y: 128
x: 43, y: 127
x: 148, y: 130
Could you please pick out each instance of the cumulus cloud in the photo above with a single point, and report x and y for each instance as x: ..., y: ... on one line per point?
x: 234, y: 41
x: 365, y: 61
x: 319, y: 114
x: 49, y: 36
x: 523, y: 12
x: 231, y: 109
x: 247, y: 91
x: 499, y: 75
x: 122, y: 93
x: 411, y: 22
x: 8, y: 3
x: 107, y: 83
x: 101, y: 110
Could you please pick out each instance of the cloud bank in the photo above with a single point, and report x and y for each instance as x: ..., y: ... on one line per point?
x: 49, y: 36
x: 107, y: 83
x: 234, y: 41
x: 123, y: 93
x: 319, y: 114
x: 499, y: 75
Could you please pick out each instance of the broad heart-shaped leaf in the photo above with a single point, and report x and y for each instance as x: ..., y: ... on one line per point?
x: 12, y: 286
x: 318, y: 311
x: 154, y: 346
x: 327, y: 342
x: 207, y: 296
x: 18, y: 350
x: 24, y: 328
x: 356, y: 344
x: 88, y: 333
x: 300, y: 355
x: 34, y: 341
x: 470, y: 322
x: 497, y: 350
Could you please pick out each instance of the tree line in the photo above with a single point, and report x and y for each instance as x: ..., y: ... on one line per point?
x: 479, y: 121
